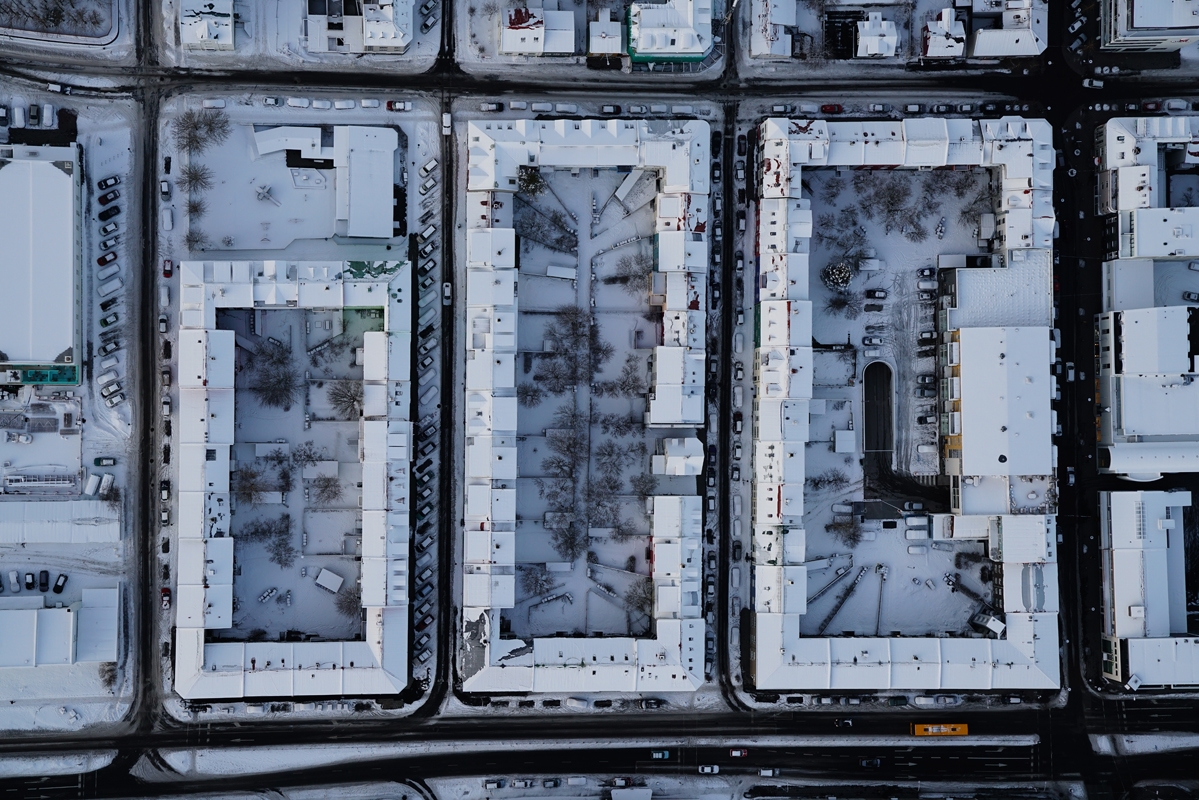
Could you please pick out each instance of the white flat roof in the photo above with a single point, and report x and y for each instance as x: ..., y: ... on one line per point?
x: 39, y: 229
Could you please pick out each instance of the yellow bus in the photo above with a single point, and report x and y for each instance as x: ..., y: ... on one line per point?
x: 952, y: 729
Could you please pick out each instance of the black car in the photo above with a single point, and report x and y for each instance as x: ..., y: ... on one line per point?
x: 109, y: 303
x: 60, y: 583
x: 108, y: 213
x: 876, y: 294
x: 742, y: 145
x: 43, y: 581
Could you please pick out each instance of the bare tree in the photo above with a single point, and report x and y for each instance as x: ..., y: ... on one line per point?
x: 307, y: 454
x: 196, y: 239
x: 535, y: 580
x: 282, y: 551
x: 640, y: 596
x: 276, y: 386
x: 530, y: 182
x: 194, y: 177
x: 569, y: 542
x: 839, y: 303
x: 529, y: 395
x: 326, y: 489
x: 349, y: 602
x: 632, y: 272
x: 346, y: 398
x: 643, y: 485
x: 112, y: 498
x: 848, y: 531
x: 250, y: 485
x: 195, y: 207
x: 187, y: 130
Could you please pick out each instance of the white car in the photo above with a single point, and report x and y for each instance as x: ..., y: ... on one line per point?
x: 709, y: 769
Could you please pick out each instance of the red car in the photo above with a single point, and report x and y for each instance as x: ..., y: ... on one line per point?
x: 168, y: 267
x: 107, y: 258
x: 166, y: 598
x: 108, y: 197
x: 831, y: 108
x: 1151, y: 105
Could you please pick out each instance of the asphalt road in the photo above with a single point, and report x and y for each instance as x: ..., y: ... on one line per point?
x: 1062, y: 750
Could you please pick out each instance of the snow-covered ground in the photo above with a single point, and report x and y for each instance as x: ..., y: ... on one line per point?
x: 34, y: 765
x: 1139, y: 744
x: 83, y: 695
x: 241, y: 225
x: 270, y: 35
x: 111, y: 40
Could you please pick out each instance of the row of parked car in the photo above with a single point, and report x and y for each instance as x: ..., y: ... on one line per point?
x: 41, y: 583
x: 109, y: 288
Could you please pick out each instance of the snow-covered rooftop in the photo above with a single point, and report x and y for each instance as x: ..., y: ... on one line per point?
x: 674, y: 30
x: 206, y: 24
x: 40, y: 259
x: 379, y: 663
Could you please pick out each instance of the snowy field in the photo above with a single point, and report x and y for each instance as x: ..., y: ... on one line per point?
x: 270, y: 35
x: 78, y: 696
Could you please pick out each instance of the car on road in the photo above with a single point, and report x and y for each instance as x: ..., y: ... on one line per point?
x: 738, y: 752
x: 108, y: 183
x: 843, y: 723
x: 108, y: 197
x: 871, y: 763
x: 60, y: 582
x: 659, y: 754
x: 1069, y: 476
x: 111, y: 347
x: 926, y: 419
x: 709, y: 769
x: 108, y: 213
x: 107, y: 258
x: 166, y: 598
x: 831, y: 108
x: 447, y: 293
x: 1069, y: 370
x: 876, y: 294
x: 872, y: 341
x: 111, y: 319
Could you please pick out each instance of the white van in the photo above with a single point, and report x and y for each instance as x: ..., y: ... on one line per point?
x: 108, y: 272
x: 108, y: 288
x: 168, y: 219
x: 47, y: 116
x: 164, y: 297
x: 109, y: 363
x: 18, y: 117
x: 106, y: 377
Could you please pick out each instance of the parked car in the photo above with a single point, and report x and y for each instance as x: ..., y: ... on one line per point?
x: 111, y: 227
x: 272, y: 101
x: 1191, y: 297
x: 164, y: 190
x: 872, y: 341
x: 1074, y: 26
x: 108, y: 304
x: 111, y: 389
x: 111, y: 347
x: 108, y: 244
x: 108, y: 197
x: 831, y: 108
x: 43, y: 581
x: 926, y: 272
x: 926, y: 392
x: 29, y: 582
x: 168, y: 267
x: 108, y: 183
x: 111, y: 319
x: 926, y: 297
x: 108, y: 213
x: 166, y: 598
x: 429, y: 22
x: 876, y: 294
x: 926, y: 379
x: 162, y: 323
x: 926, y: 419
x: 738, y: 752
x: 60, y: 582
x: 927, y: 336
x: 941, y: 108
x: 164, y: 490
x: 742, y: 145
x: 104, y: 461
x: 107, y: 258
x: 114, y: 401
x: 14, y: 581
x: 609, y: 110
